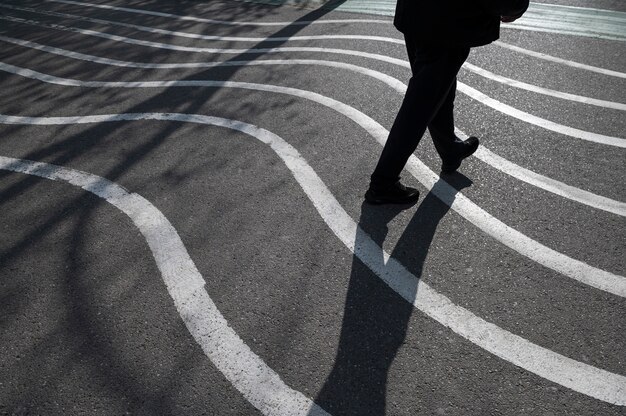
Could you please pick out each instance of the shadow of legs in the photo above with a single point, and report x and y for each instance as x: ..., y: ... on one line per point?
x: 376, y: 319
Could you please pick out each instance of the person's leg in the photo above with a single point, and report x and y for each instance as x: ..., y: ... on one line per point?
x: 434, y: 73
x: 411, y: 49
x: 451, y: 148
x: 441, y: 127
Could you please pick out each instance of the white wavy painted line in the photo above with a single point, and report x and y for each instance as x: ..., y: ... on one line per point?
x: 603, y: 24
x: 530, y: 177
x: 549, y: 184
x: 561, y: 61
x: 538, y: 121
x: 510, y: 237
x: 466, y: 89
x: 221, y: 22
x: 247, y: 372
x: 158, y: 45
x: 573, y: 31
x: 544, y: 91
x: 500, y: 43
x: 583, y: 378
x: 473, y: 68
x: 204, y: 37
x: 535, y: 19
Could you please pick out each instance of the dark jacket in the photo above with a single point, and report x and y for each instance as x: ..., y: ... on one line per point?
x: 454, y: 22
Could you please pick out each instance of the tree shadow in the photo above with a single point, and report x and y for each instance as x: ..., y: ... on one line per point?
x: 82, y: 322
x: 62, y: 152
x: 375, y: 320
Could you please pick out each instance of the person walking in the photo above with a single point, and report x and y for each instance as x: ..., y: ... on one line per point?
x: 438, y: 36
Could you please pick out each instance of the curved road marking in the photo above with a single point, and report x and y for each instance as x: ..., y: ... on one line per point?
x: 473, y: 68
x: 603, y: 24
x: 499, y: 43
x: 200, y: 313
x: 571, y: 30
x: 247, y: 372
x: 466, y: 89
x: 568, y: 20
x: 575, y: 269
x: 548, y: 184
x: 200, y: 36
x: 220, y: 22
x: 180, y: 48
x: 538, y: 121
x: 498, y: 162
x: 544, y: 91
x: 562, y: 61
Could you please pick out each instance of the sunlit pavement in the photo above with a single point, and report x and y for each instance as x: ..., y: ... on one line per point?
x: 183, y: 226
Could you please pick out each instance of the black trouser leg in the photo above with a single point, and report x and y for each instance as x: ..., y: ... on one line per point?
x: 441, y: 127
x: 434, y: 75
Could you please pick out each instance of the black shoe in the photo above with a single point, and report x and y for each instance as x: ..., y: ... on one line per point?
x: 392, y: 194
x: 466, y: 148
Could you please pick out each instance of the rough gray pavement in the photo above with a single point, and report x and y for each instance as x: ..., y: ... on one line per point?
x: 87, y: 325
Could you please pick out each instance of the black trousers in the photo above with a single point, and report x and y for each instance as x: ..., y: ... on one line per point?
x: 428, y: 103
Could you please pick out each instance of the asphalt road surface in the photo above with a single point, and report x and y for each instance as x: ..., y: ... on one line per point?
x: 183, y: 229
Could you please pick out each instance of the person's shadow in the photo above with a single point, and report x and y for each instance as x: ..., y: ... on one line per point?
x: 375, y: 319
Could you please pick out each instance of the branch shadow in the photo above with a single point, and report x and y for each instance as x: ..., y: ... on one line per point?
x: 81, y: 320
x: 62, y: 152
